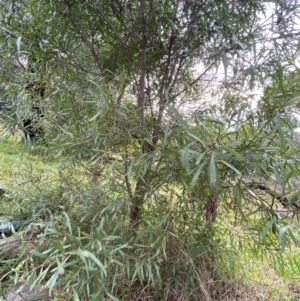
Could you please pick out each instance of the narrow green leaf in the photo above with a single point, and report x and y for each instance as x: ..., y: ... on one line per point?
x: 282, y: 139
x: 68, y: 222
x: 185, y: 160
x: 282, y: 232
x: 58, y: 246
x: 293, y: 101
x: 42, y: 275
x: 97, y: 85
x: 196, y: 138
x: 238, y: 195
x: 232, y: 151
x: 283, y: 243
x: 75, y: 295
x: 129, y: 171
x: 39, y: 254
x: 95, y: 116
x: 196, y: 175
x: 268, y: 227
x: 112, y: 297
x: 230, y: 166
x: 253, y: 212
x: 172, y: 24
x: 200, y: 157
x: 240, y: 44
x: 88, y: 254
x: 52, y: 281
x: 212, y: 171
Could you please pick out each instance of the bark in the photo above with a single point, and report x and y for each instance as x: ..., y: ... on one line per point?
x: 9, y: 246
x: 36, y: 293
x: 137, y: 202
x: 141, y: 187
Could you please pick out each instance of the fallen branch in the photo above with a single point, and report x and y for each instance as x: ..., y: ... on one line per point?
x: 278, y: 196
x: 27, y: 294
x: 25, y: 239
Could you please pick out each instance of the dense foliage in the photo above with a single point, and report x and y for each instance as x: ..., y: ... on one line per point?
x: 166, y: 148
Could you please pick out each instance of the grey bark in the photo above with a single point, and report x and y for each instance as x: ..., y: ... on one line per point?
x: 8, y: 248
x: 36, y: 293
x: 24, y: 239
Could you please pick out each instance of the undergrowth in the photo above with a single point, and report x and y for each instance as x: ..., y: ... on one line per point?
x: 88, y: 251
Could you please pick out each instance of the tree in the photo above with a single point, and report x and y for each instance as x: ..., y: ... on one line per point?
x: 283, y: 94
x: 152, y: 97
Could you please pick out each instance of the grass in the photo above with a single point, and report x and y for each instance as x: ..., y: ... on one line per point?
x: 239, y: 275
x: 15, y: 155
x: 17, y: 163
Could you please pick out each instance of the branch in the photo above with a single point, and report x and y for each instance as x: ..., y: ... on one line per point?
x: 86, y: 42
x: 288, y: 35
x: 128, y: 186
x: 162, y: 100
x: 196, y: 80
x: 103, y: 15
x: 141, y: 93
x: 278, y: 196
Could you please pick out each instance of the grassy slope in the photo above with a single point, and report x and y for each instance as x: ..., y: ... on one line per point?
x: 253, y: 280
x: 17, y: 162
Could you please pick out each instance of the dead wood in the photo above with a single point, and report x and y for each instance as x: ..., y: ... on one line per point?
x: 36, y: 293
x: 284, y: 200
x: 24, y: 239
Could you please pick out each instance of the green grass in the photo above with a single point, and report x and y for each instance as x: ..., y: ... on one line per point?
x: 15, y: 156
x: 19, y: 162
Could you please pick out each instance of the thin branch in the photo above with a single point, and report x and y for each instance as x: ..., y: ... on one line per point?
x: 196, y: 80
x: 121, y: 41
x: 162, y: 100
x: 87, y: 42
x: 103, y: 15
x: 128, y: 186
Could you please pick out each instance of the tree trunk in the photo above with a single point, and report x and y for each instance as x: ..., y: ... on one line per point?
x: 137, y: 202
